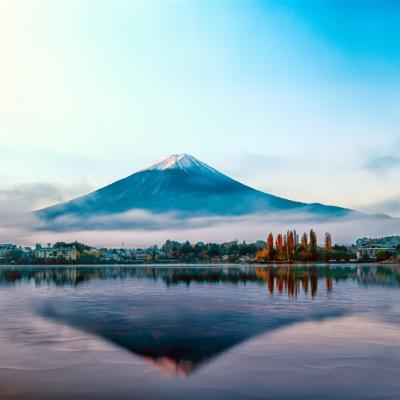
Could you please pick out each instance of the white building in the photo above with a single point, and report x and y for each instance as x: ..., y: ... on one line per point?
x: 117, y: 255
x: 140, y: 255
x: 371, y: 250
x: 51, y: 253
x: 6, y: 249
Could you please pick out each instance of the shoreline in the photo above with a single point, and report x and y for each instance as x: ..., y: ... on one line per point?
x: 208, y: 265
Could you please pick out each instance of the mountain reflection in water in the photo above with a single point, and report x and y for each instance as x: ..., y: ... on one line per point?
x: 178, y: 330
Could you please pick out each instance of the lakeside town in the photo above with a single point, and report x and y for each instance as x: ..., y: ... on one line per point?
x: 284, y: 248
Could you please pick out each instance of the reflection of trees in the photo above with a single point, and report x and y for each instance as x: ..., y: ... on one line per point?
x: 329, y: 283
x: 314, y: 283
x: 291, y: 280
x: 304, y: 281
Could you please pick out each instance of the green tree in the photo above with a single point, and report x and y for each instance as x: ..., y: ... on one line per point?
x: 383, y: 255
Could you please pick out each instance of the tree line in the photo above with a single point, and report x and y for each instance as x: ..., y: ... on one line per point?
x: 291, y: 247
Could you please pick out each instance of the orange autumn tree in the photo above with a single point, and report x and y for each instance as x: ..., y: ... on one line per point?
x: 262, y: 254
x: 290, y: 248
x: 279, y: 247
x: 304, y: 245
x: 285, y: 252
x: 328, y: 241
x: 313, y: 240
x: 313, y: 246
x: 296, y: 238
x: 290, y: 245
x: 270, y: 247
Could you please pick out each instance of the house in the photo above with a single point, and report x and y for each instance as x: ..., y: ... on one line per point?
x: 6, y: 249
x: 140, y: 255
x: 245, y: 259
x: 370, y: 251
x: 111, y: 255
x: 52, y: 253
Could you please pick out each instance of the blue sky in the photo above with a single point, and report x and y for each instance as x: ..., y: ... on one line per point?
x: 297, y: 98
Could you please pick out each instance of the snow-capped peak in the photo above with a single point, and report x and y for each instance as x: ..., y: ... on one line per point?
x: 184, y: 162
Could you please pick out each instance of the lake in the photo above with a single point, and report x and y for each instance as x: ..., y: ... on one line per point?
x: 200, y: 332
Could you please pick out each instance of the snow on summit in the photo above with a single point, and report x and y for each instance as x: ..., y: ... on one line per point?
x: 184, y: 162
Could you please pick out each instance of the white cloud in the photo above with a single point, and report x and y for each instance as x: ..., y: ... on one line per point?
x: 30, y: 196
x: 140, y: 228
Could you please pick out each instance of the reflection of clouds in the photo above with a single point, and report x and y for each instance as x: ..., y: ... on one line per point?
x: 318, y: 359
x: 350, y: 357
x: 345, y: 335
x: 170, y: 366
x: 197, y: 319
x: 299, y: 341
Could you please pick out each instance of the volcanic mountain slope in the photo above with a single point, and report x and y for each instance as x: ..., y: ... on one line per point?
x: 183, y: 184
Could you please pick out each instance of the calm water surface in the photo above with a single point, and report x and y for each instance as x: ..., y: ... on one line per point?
x: 200, y: 332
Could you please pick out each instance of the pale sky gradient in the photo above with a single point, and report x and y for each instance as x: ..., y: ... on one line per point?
x: 300, y: 99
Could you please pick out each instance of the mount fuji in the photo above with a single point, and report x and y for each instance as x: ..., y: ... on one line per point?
x: 182, y: 184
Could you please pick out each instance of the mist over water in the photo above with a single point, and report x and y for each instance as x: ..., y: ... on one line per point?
x: 222, y: 332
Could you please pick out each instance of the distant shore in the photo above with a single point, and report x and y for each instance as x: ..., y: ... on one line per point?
x: 395, y: 262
